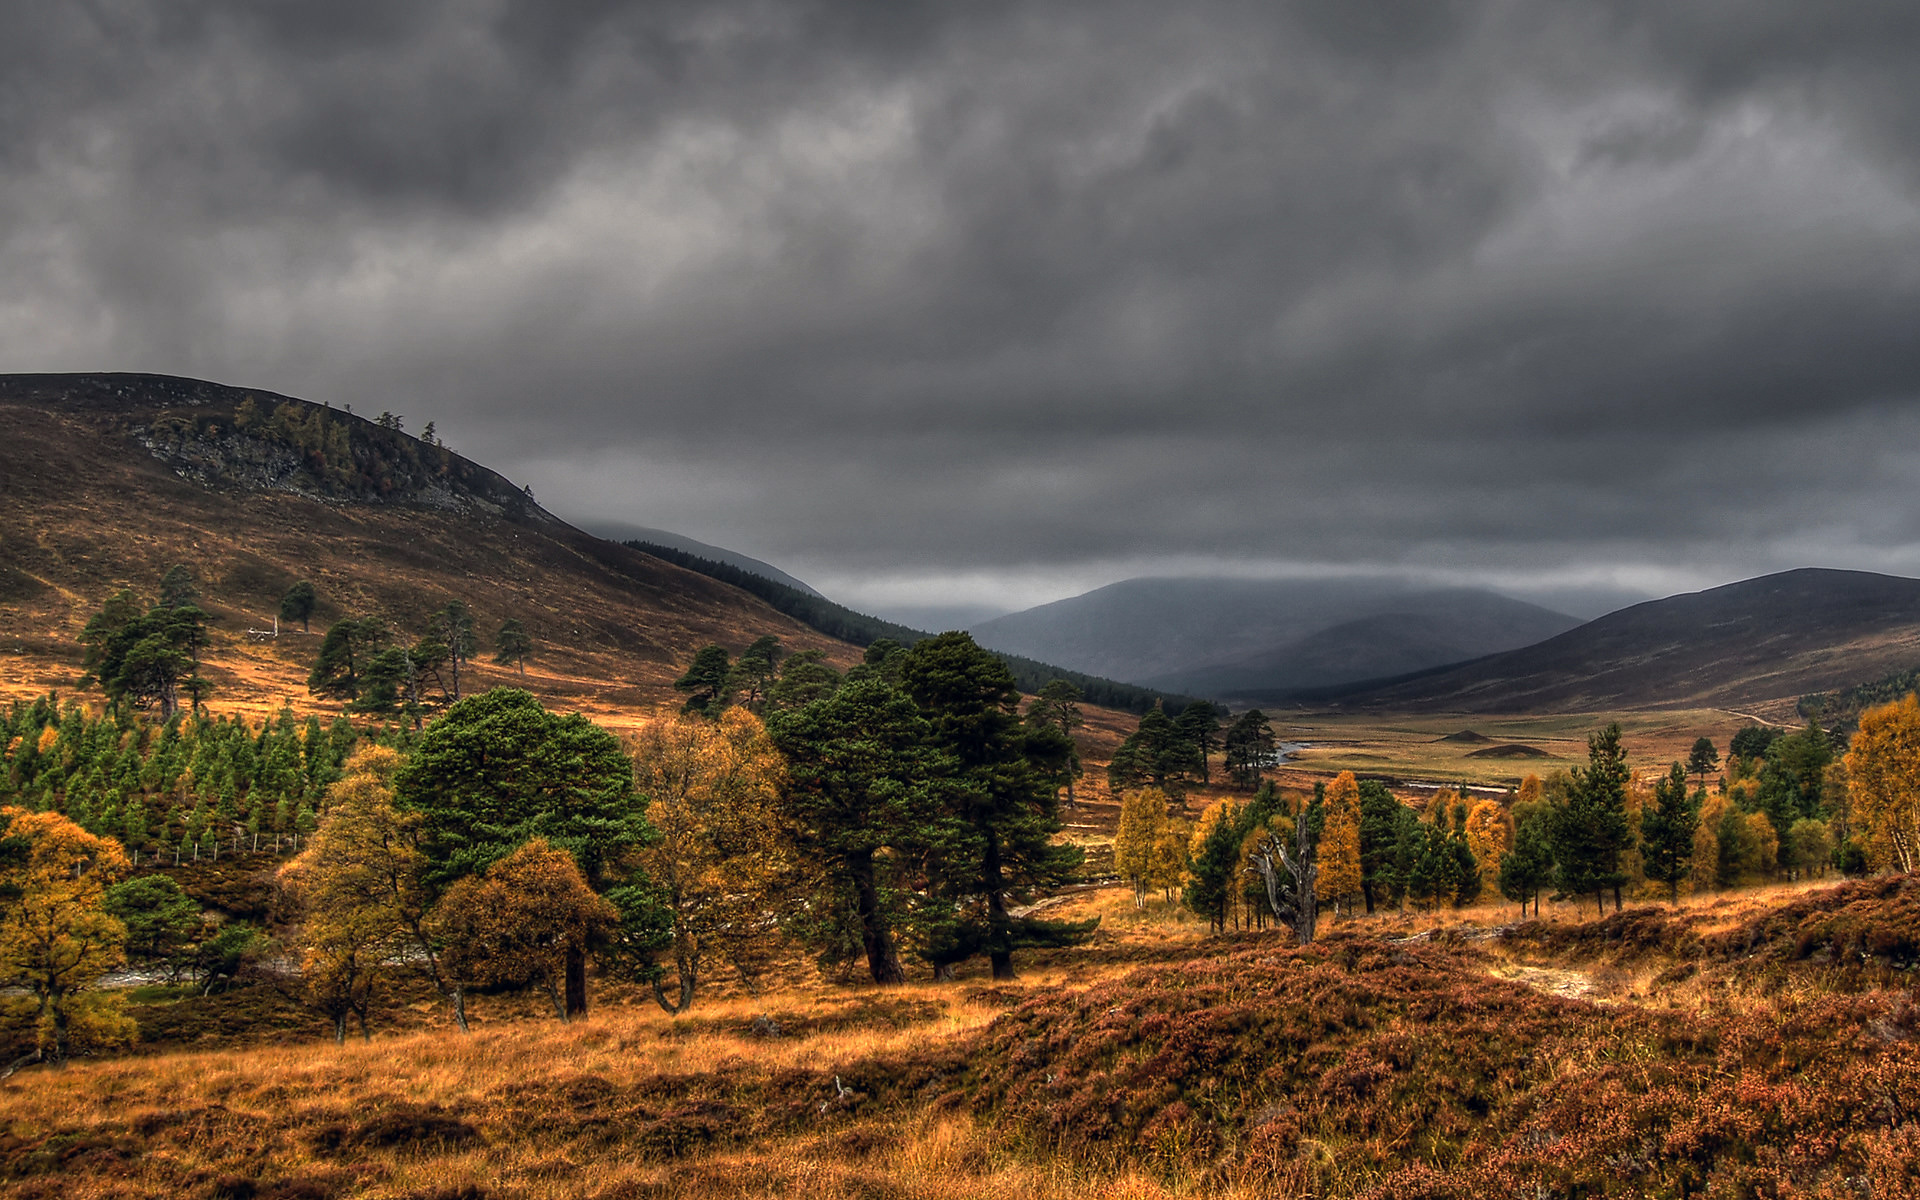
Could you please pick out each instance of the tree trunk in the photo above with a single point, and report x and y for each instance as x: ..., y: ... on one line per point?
x: 576, y: 983
x: 1600, y: 899
x: 684, y: 965
x: 1616, y: 897
x: 883, y: 960
x: 340, y: 1029
x: 999, y: 924
x: 460, y: 1009
x: 554, y: 998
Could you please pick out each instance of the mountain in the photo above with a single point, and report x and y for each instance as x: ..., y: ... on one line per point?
x: 617, y: 531
x: 107, y: 480
x: 1228, y: 637
x: 1744, y: 644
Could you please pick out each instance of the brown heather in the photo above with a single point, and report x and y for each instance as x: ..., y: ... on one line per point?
x: 1767, y: 1045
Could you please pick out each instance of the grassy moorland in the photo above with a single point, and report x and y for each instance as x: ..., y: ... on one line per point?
x: 1454, y: 748
x: 1764, y: 1043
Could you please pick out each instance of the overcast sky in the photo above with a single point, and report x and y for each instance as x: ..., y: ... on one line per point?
x: 995, y: 302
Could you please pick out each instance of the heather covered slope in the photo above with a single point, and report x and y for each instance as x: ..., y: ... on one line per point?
x: 106, y: 481
x: 1750, y: 643
x: 1368, y: 1065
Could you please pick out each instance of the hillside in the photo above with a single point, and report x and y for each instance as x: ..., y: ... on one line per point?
x: 1230, y: 637
x: 621, y: 531
x: 1754, y: 643
x: 107, y: 480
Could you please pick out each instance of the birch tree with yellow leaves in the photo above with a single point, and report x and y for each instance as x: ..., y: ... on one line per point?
x: 1883, y: 783
x: 56, y: 938
x: 723, y: 860
x: 357, y: 886
x: 1339, y: 851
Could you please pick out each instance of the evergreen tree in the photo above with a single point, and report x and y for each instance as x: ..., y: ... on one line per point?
x: 1198, y: 725
x: 1528, y: 867
x: 344, y: 653
x: 452, y: 626
x: 146, y: 660
x: 1379, y: 832
x: 1250, y: 747
x: 1667, y: 827
x: 1006, y: 809
x: 512, y: 645
x: 1589, y: 830
x: 706, y: 681
x: 299, y: 603
x: 754, y: 675
x: 1153, y: 755
x: 498, y: 770
x: 806, y: 677
x: 1215, y: 868
x: 1057, y: 707
x: 1704, y: 759
x: 861, y: 796
x: 178, y: 588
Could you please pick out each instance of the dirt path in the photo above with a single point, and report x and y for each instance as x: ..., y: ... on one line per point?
x: 1556, y: 981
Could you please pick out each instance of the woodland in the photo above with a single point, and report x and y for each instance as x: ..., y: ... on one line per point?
x: 907, y: 892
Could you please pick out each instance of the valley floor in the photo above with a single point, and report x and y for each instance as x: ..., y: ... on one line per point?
x: 1756, y: 1044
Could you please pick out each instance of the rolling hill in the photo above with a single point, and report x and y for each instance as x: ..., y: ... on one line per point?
x: 1753, y: 643
x: 1230, y: 638
x: 107, y: 480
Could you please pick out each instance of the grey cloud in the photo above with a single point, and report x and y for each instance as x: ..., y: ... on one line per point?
x: 936, y: 287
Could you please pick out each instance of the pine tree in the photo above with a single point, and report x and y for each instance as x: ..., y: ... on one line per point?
x: 1250, y: 746
x: 299, y: 604
x: 1198, y: 726
x: 1590, y: 830
x: 1340, y: 869
x: 861, y: 797
x: 1215, y: 865
x: 1528, y: 867
x: 706, y: 681
x: 1003, y: 800
x: 512, y: 645
x: 1667, y: 828
x: 1704, y: 759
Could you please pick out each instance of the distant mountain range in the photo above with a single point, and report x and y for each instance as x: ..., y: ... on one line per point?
x: 1229, y: 638
x: 1770, y: 638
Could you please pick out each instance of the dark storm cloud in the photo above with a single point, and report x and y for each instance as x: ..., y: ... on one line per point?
x: 1056, y: 291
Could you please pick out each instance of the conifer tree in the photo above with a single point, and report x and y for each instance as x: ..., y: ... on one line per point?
x: 1528, y: 867
x: 706, y: 681
x: 299, y: 603
x: 1250, y: 747
x: 512, y: 645
x: 1198, y: 726
x: 1667, y: 828
x: 1380, y: 817
x: 1589, y: 830
x: 861, y: 795
x: 1704, y: 759
x: 1340, y: 875
x: 1004, y: 807
x: 1216, y: 863
x: 498, y: 769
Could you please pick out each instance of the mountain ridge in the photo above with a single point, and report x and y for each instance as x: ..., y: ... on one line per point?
x: 1756, y: 641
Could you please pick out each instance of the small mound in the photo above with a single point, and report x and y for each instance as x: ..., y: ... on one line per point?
x: 1510, y: 750
x: 1468, y: 736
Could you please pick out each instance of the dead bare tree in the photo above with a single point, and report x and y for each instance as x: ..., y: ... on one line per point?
x: 1290, y: 877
